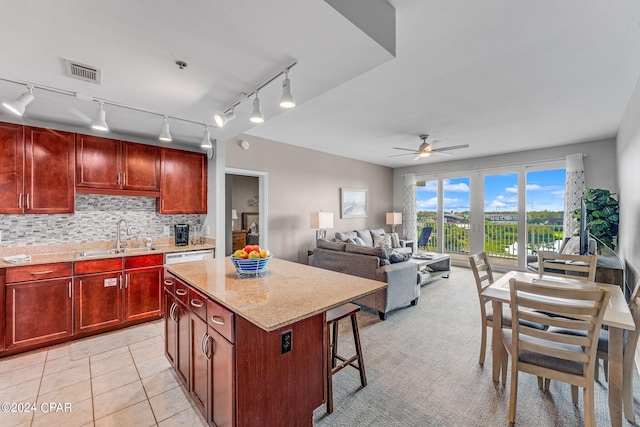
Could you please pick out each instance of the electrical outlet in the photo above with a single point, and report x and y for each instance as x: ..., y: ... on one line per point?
x: 285, y: 341
x: 208, y: 231
x: 166, y: 232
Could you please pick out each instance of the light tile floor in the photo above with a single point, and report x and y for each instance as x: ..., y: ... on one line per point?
x: 119, y: 378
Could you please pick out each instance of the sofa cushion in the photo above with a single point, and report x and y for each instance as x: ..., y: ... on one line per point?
x: 325, y: 244
x: 395, y: 257
x: 377, y: 231
x: 366, y: 236
x: 365, y: 250
x: 572, y: 246
x: 346, y: 235
x: 382, y: 241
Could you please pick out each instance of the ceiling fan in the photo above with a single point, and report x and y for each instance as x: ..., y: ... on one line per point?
x: 426, y: 149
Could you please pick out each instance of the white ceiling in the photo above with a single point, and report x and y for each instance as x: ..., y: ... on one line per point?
x: 499, y: 75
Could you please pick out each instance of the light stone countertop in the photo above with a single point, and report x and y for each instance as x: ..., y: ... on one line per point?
x: 287, y: 293
x: 66, y: 252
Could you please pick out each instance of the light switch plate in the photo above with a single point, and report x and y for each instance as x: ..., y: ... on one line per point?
x: 166, y: 232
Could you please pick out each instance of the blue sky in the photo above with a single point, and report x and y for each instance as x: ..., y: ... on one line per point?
x: 545, y: 191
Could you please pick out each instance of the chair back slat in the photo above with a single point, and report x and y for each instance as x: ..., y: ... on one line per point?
x: 581, y: 267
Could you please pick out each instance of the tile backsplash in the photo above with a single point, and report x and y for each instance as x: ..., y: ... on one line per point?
x: 94, y: 219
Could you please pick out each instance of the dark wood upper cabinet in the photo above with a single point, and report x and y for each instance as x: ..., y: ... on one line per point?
x: 183, y: 187
x: 109, y: 166
x: 36, y: 170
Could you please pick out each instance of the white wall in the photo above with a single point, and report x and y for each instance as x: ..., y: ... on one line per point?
x: 301, y: 181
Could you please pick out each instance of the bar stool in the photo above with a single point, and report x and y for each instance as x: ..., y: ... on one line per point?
x: 333, y: 317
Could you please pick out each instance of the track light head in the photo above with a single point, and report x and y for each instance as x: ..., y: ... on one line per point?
x: 18, y: 105
x: 100, y: 123
x: 221, y: 119
x: 286, y: 100
x: 206, y: 139
x: 165, y: 135
x: 256, y: 114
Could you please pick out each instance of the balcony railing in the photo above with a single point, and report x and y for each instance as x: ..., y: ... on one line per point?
x: 500, y: 239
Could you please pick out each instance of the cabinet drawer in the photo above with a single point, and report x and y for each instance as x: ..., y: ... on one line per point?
x: 169, y: 282
x: 98, y: 265
x: 198, y: 303
x: 182, y: 292
x: 143, y: 261
x: 221, y: 319
x: 37, y: 272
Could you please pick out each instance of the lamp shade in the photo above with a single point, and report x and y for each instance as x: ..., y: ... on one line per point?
x: 321, y: 220
x: 394, y: 218
x: 234, y: 214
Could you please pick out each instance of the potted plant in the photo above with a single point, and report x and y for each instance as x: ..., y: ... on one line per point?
x: 602, y: 216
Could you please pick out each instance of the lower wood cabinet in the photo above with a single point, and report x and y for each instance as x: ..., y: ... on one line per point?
x: 143, y: 293
x: 176, y: 332
x: 38, y: 304
x: 98, y: 301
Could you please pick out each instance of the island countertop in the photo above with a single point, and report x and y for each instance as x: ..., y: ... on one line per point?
x: 287, y: 293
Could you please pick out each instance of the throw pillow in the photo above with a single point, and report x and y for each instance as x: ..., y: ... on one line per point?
x: 395, y: 240
x: 357, y: 241
x: 366, y: 236
x: 395, y: 257
x: 382, y: 241
x: 572, y: 246
x: 346, y: 235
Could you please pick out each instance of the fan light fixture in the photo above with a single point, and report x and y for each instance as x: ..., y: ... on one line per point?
x: 206, y: 139
x: 18, y: 105
x: 286, y: 100
x: 221, y: 119
x: 256, y: 114
x: 165, y: 135
x: 100, y: 123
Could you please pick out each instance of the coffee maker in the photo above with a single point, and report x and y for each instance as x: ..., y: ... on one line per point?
x: 181, y: 233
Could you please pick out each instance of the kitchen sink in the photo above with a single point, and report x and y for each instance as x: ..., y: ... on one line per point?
x: 107, y: 252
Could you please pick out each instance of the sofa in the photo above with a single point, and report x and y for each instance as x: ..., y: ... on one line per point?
x: 375, y: 237
x: 377, y: 263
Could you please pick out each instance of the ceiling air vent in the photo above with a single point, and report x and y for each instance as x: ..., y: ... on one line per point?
x: 87, y: 73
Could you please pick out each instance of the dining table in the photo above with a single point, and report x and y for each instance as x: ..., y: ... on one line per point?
x: 617, y: 317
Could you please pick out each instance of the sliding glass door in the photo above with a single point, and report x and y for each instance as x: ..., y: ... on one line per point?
x: 501, y: 218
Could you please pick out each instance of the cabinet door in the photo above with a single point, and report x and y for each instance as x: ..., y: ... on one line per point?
x: 38, y: 311
x: 222, y: 387
x: 183, y: 186
x: 170, y: 329
x: 2, y: 282
x: 98, y: 301
x: 143, y: 293
x: 140, y: 167
x: 11, y: 168
x: 182, y: 365
x: 199, y: 362
x: 49, y: 171
x: 98, y: 163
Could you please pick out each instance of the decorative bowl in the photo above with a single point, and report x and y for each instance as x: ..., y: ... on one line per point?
x: 251, y: 265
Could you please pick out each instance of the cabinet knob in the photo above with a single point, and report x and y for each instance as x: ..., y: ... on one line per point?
x: 168, y: 282
x: 181, y: 292
x: 196, y: 303
x: 217, y: 320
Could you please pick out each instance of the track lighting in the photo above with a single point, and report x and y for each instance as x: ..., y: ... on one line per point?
x: 18, y: 105
x: 221, y: 119
x: 256, y: 114
x: 100, y: 123
x: 165, y: 135
x: 206, y: 139
x: 286, y: 100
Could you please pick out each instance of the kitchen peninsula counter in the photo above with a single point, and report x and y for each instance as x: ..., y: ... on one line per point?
x: 287, y: 293
x: 258, y: 356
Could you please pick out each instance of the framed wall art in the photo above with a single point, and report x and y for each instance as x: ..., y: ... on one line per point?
x: 353, y: 203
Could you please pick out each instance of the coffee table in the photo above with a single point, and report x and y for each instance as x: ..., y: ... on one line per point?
x: 432, y: 266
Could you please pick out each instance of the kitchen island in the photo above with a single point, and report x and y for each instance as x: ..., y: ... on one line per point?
x: 256, y: 355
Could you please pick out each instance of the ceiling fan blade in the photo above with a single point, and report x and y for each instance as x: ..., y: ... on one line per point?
x: 406, y: 154
x: 405, y: 149
x: 417, y: 157
x: 439, y: 153
x: 454, y: 147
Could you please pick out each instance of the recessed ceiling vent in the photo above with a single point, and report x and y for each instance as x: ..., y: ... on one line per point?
x: 87, y: 73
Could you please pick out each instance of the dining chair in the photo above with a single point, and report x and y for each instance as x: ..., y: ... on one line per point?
x: 550, y: 354
x: 483, y: 274
x: 581, y: 267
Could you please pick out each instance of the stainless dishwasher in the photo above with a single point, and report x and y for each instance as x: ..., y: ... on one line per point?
x: 176, y: 257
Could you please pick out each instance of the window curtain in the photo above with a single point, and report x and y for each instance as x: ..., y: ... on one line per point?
x: 573, y: 192
x: 409, y: 215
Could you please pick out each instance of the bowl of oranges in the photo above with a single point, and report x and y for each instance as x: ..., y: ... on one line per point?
x: 251, y: 260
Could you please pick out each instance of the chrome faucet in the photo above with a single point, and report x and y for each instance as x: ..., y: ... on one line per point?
x: 118, y: 242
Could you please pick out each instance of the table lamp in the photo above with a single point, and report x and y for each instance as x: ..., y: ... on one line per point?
x: 394, y: 219
x: 234, y: 216
x: 321, y: 221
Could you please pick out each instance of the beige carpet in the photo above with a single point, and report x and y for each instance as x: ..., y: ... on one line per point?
x: 422, y: 370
